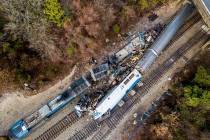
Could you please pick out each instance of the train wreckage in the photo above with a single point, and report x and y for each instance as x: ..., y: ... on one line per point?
x: 122, y: 71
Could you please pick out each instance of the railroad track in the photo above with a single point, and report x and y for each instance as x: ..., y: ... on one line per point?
x: 189, y: 23
x: 59, y: 127
x: 71, y: 118
x: 117, y: 116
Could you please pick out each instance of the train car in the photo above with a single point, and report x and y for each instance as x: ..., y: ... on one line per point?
x: 165, y: 37
x: 23, y: 127
x: 18, y: 130
x: 116, y: 94
x: 135, y: 43
x: 75, y: 89
x: 99, y: 72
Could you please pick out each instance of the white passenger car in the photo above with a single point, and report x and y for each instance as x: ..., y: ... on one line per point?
x: 114, y: 97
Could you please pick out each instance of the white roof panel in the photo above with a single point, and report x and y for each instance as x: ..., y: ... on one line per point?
x: 112, y: 99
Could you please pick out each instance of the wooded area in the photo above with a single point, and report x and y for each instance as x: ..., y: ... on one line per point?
x: 43, y: 39
x: 185, y: 115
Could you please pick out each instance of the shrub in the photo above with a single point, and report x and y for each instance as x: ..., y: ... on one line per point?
x: 11, y: 47
x: 202, y: 77
x: 196, y: 94
x: 2, y: 21
x: 179, y: 134
x: 192, y: 102
x: 143, y: 4
x: 54, y: 12
x: 71, y: 50
x: 27, y: 21
x: 5, y: 47
x: 22, y: 76
x: 17, y: 44
x: 116, y: 29
x: 68, y: 13
x: 155, y: 2
x: 50, y: 71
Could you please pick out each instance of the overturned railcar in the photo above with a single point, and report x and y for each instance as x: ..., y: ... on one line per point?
x: 136, y: 42
x: 99, y: 72
x: 116, y: 94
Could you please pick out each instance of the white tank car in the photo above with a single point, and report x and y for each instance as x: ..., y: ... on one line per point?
x: 116, y: 94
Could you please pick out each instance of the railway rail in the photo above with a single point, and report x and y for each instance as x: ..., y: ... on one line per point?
x: 72, y: 118
x: 189, y: 23
x: 59, y: 127
x: 158, y: 73
x: 115, y: 118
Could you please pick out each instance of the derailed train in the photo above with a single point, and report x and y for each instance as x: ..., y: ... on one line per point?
x: 113, y: 98
x: 23, y: 127
x: 115, y: 95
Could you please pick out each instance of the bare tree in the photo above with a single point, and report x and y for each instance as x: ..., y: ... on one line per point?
x: 27, y: 21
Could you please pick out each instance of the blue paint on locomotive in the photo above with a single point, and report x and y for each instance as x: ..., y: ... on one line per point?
x: 134, y: 84
x: 52, y: 112
x: 18, y: 130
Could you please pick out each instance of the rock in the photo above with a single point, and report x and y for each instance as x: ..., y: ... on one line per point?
x: 134, y: 122
x: 26, y: 85
x: 135, y: 115
x: 107, y: 40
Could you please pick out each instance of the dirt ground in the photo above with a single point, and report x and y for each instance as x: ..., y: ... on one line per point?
x: 15, y: 105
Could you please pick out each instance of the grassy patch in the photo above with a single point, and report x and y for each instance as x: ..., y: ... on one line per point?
x: 51, y: 71
x: 22, y: 76
x: 116, y: 29
x: 146, y: 4
x: 54, y: 12
x: 71, y: 50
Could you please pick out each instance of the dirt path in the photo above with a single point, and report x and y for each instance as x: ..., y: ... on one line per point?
x: 15, y: 106
x: 164, y: 14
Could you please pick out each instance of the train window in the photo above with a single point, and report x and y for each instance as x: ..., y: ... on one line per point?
x: 126, y: 82
x: 132, y: 75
